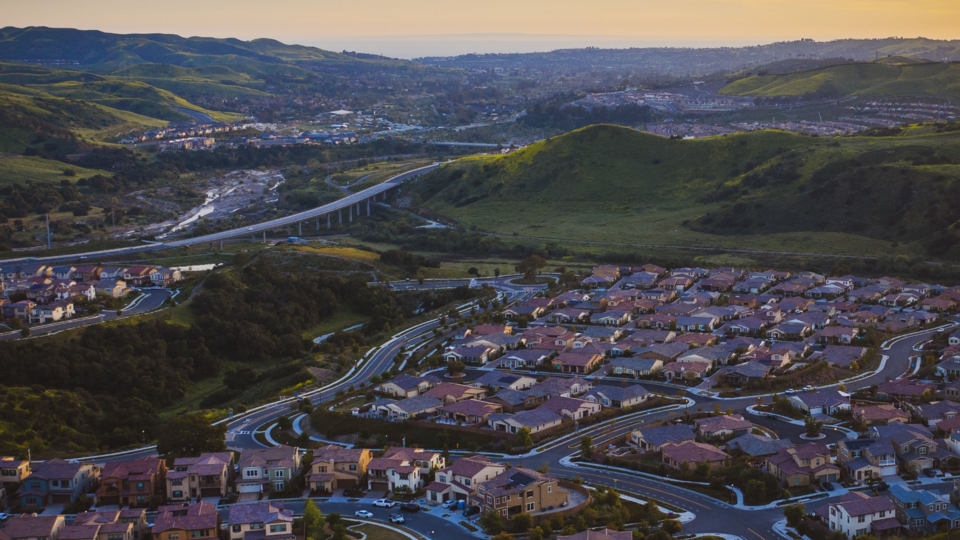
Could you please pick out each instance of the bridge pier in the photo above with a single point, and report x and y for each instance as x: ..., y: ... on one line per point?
x: 221, y: 246
x: 301, y: 228
x: 351, y: 213
x: 368, y: 207
x: 328, y: 222
x: 318, y: 223
x: 340, y: 213
x: 264, y: 237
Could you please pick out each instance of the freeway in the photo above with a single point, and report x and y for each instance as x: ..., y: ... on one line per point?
x: 348, y: 204
x: 149, y: 301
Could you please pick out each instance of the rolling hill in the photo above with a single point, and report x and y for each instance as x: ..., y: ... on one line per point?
x: 885, y: 78
x: 760, y: 190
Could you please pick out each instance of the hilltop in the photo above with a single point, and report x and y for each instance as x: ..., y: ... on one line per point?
x: 887, y: 77
x: 868, y: 195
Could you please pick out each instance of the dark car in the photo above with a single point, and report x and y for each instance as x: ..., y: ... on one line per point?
x: 827, y: 486
x: 882, y: 486
x: 472, y: 511
x: 932, y: 473
x: 409, y: 507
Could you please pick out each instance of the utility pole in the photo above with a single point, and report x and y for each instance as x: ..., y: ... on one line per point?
x: 48, y: 231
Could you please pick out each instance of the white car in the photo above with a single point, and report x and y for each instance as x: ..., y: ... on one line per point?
x: 790, y: 391
x: 384, y: 503
x: 449, y: 504
x: 363, y: 514
x: 397, y: 518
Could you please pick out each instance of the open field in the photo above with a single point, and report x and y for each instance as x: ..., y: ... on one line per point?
x: 23, y: 169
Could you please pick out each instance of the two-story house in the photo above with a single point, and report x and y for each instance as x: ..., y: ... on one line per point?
x: 922, y: 511
x: 427, y: 460
x: 519, y: 490
x: 33, y: 527
x: 57, y: 482
x: 858, y: 514
x: 264, y: 470
x: 393, y: 474
x: 914, y: 445
x: 207, y: 475
x: 130, y: 524
x: 199, y: 521
x: 804, y: 465
x: 138, y: 275
x: 12, y: 472
x: 406, y: 386
x: 131, y: 483
x: 260, y: 521
x: 335, y: 467
x: 461, y: 479
x: 863, y: 459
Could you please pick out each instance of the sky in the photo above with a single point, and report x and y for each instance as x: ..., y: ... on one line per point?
x: 411, y: 28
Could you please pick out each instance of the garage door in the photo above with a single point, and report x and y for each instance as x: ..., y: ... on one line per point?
x: 249, y: 488
x: 380, y: 486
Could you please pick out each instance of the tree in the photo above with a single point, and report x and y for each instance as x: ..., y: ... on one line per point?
x: 16, y: 323
x: 536, y: 534
x: 813, y: 427
x: 672, y: 526
x: 586, y: 446
x: 794, y: 514
x: 702, y: 471
x: 313, y: 521
x: 284, y: 423
x: 521, y: 522
x: 190, y: 434
x: 855, y: 366
x: 455, y: 367
x: 496, y: 272
x: 531, y: 266
x: 25, y: 332
x: 523, y: 437
x: 755, y: 492
x: 544, y: 469
x: 491, y: 522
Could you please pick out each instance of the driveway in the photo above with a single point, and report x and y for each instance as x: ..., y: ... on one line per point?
x: 249, y: 497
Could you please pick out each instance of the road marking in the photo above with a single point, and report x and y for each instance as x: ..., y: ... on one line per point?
x: 640, y: 486
x: 756, y: 533
x: 239, y: 432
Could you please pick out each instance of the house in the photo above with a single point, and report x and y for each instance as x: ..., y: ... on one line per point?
x: 568, y: 315
x: 804, y: 465
x: 858, y: 514
x: 949, y: 368
x: 408, y: 385
x: 523, y: 358
x: 499, y: 380
x: 789, y: 330
x: 666, y: 352
x: 112, y: 272
x: 723, y: 426
x: 576, y: 362
x: 414, y: 406
x: 12, y: 472
x: 87, y: 273
x: 470, y: 354
x: 697, y: 340
x: 519, y: 490
x: 260, y: 521
x: 500, y: 342
x: 207, y: 475
x: 389, y: 474
x: 427, y: 460
x: 335, y: 467
x: 129, y: 524
x: 916, y: 450
x: 652, y: 439
x: 535, y: 420
x: 462, y: 479
x: 746, y: 325
x: 132, y: 483
x: 52, y: 312
x: 924, y: 511
x: 452, y: 392
x: 863, y: 459
x: 826, y: 401
x: 692, y: 453
x: 938, y: 304
x: 842, y: 355
x: 137, y: 275
x: 164, y: 277
x: 571, y: 408
x: 746, y: 372
x: 637, y: 367
x: 265, y: 470
x: 837, y: 335
x: 564, y: 387
x: 753, y: 445
x: 114, y: 288
x: 56, y: 481
x: 32, y: 527
x: 519, y: 400
x: 472, y: 411
x: 199, y: 521
x: 675, y: 283
x: 618, y: 397
x: 698, y: 323
x: 605, y: 534
x: 904, y: 389
x: 936, y: 412
x: 880, y: 414
x: 686, y: 370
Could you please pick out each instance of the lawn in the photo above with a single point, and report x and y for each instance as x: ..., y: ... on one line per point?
x: 21, y: 170
x: 344, y: 252
x: 376, y: 532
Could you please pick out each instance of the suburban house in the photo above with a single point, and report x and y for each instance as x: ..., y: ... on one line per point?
x: 207, y: 475
x: 163, y: 277
x: 408, y: 385
x: 200, y: 521
x: 571, y: 408
x: 518, y: 400
x: 914, y: 444
x: 718, y: 427
x: 412, y: 407
x: 132, y: 483
x: 519, y: 490
x: 33, y: 527
x: 653, y: 439
x: 57, y: 482
x: 820, y: 402
x: 924, y: 511
x: 804, y: 465
x: 686, y: 370
x: 904, y: 389
x: 461, y: 479
x: 523, y: 358
x: 335, y: 467
x: 880, y: 414
x: 564, y: 387
x: 837, y: 335
x: 618, y: 397
x: 389, y: 474
x: 114, y: 288
x: 746, y: 372
x: 674, y: 455
x: 472, y: 411
x: 536, y: 420
x: 129, y: 524
x: 260, y: 521
x: 858, y: 514
x: 470, y: 354
x: 637, y: 367
x: 452, y: 392
x: 499, y: 380
x: 427, y: 460
x: 577, y: 362
x: 939, y: 411
x: 756, y: 446
x: 265, y: 470
x: 13, y: 471
x: 863, y: 459
x: 138, y: 275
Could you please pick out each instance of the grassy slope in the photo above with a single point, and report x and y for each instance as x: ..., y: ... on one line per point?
x: 35, y: 169
x: 869, y: 80
x: 609, y: 183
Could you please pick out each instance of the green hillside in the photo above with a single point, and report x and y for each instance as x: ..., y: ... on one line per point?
x: 867, y: 79
x: 760, y: 190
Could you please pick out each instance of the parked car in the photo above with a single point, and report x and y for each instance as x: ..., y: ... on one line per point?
x: 471, y: 511
x: 881, y: 486
x: 384, y: 503
x: 397, y: 518
x: 827, y: 486
x: 931, y: 473
x: 790, y: 391
x: 363, y: 514
x: 409, y: 507
x: 449, y: 504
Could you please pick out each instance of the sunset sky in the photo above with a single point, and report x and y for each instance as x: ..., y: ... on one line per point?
x: 407, y: 28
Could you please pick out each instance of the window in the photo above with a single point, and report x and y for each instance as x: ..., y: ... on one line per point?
x: 139, y: 486
x: 861, y: 519
x: 353, y: 467
x: 256, y: 526
x: 549, y: 489
x: 177, y: 494
x: 236, y: 528
x: 278, y: 528
x: 177, y: 482
x: 114, y: 537
x: 530, y: 493
x: 278, y: 486
x: 442, y: 479
x: 466, y: 481
x: 251, y: 473
x: 198, y: 534
x: 278, y: 474
x: 173, y: 536
x: 35, y: 485
x: 531, y: 507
